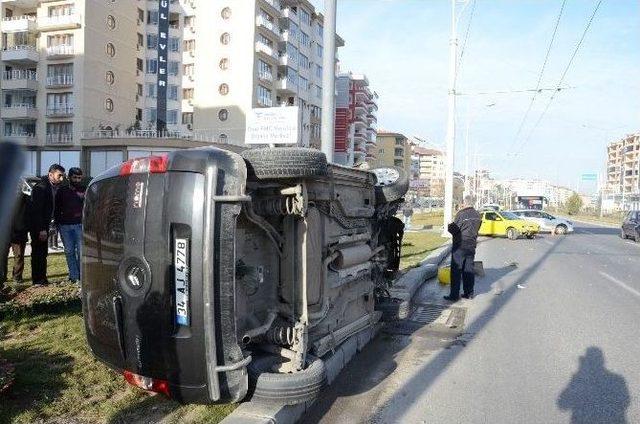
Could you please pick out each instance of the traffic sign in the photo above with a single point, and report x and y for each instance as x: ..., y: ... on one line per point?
x: 589, y: 177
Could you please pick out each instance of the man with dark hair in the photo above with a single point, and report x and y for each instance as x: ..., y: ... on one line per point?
x: 16, y: 242
x: 68, y: 217
x: 40, y: 217
x: 464, y: 230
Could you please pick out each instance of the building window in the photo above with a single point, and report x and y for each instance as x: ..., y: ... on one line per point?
x: 152, y: 66
x: 152, y: 115
x: 223, y: 115
x: 138, y: 114
x: 173, y: 67
x: 139, y: 89
x: 264, y: 96
x: 318, y: 71
x: 189, y: 45
x: 152, y: 17
x: 224, y: 64
x: 225, y: 38
x: 140, y: 15
x: 151, y: 90
x: 303, y: 83
x: 60, y: 40
x: 187, y: 93
x: 398, y: 152
x: 223, y: 89
x: 304, y: 39
x: 110, y: 77
x: 174, y: 44
x: 108, y: 105
x: 140, y: 41
x: 61, y: 10
x: 188, y: 70
x: 226, y: 13
x: 139, y: 65
x: 398, y: 162
x: 303, y: 61
x: 172, y: 117
x: 187, y: 117
x: 223, y: 138
x: 110, y: 49
x: 318, y: 91
x: 152, y: 41
x: 305, y: 17
x: 111, y: 22
x: 264, y: 70
x: 319, y: 50
x: 172, y: 92
x: 320, y: 30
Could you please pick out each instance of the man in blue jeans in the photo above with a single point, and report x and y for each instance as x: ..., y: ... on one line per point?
x: 68, y: 217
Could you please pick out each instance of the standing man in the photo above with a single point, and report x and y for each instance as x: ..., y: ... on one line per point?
x: 407, y: 211
x: 464, y: 230
x: 40, y: 217
x: 68, y: 217
x: 17, y: 242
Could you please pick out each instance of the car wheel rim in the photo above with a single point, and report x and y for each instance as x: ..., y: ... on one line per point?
x: 386, y: 176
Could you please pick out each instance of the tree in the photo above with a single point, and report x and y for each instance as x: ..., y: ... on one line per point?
x: 574, y: 204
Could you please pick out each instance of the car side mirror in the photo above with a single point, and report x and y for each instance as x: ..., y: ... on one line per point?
x: 498, y: 218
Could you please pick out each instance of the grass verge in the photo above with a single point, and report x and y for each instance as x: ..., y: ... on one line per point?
x: 417, y: 245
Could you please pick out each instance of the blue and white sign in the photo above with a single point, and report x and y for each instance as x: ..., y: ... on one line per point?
x: 163, y: 52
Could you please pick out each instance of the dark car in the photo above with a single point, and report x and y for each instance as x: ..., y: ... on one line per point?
x: 208, y: 274
x: 631, y: 226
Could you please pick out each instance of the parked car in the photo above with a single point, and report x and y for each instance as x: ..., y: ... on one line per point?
x: 548, y: 223
x: 208, y: 274
x: 631, y: 226
x: 507, y: 224
x: 490, y: 207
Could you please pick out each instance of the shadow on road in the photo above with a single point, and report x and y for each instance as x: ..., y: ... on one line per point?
x: 595, y: 394
x: 597, y: 230
x: 381, y: 357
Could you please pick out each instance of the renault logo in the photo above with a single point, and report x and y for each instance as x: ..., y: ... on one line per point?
x: 135, y: 277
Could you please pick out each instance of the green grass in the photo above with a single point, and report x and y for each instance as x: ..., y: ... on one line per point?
x: 58, y: 377
x: 427, y: 218
x: 56, y: 268
x: 417, y: 245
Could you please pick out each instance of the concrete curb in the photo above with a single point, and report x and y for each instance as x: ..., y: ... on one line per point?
x: 597, y: 224
x: 408, y: 284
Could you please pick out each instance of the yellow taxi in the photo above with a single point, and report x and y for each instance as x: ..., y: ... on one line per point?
x: 510, y: 225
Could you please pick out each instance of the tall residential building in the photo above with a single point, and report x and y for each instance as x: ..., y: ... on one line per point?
x: 355, y: 126
x: 623, y: 166
x: 259, y: 53
x: 74, y: 69
x: 392, y: 149
x: 431, y: 169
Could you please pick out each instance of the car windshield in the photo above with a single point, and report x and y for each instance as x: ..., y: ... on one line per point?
x: 509, y: 216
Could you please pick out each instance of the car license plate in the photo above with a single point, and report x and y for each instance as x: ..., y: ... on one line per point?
x: 181, y: 279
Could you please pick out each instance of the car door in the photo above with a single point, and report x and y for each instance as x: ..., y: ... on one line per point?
x: 486, y: 226
x: 499, y: 225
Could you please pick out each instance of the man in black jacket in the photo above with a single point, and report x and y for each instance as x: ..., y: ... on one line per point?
x: 68, y: 218
x: 40, y: 216
x: 464, y: 230
x: 16, y: 242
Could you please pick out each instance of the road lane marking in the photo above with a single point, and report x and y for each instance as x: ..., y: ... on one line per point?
x: 620, y: 283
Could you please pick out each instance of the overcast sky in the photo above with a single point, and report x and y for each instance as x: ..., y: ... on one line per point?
x: 402, y: 46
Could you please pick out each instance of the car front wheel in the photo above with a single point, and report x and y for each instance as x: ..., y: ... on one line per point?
x: 561, y: 229
x: 512, y: 234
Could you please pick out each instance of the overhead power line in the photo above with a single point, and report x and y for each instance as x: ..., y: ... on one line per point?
x: 466, y: 34
x: 564, y: 73
x: 544, y: 65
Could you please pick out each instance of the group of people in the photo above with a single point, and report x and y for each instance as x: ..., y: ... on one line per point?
x: 54, y: 204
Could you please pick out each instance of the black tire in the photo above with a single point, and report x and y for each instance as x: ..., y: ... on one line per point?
x: 531, y: 236
x: 287, y: 389
x: 561, y: 229
x: 512, y: 233
x: 393, y: 309
x: 389, y: 192
x: 285, y: 162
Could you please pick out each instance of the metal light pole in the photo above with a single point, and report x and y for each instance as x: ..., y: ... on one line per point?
x: 470, y: 120
x: 327, y: 130
x: 451, y: 124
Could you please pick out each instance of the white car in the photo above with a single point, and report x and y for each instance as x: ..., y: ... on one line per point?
x: 548, y: 223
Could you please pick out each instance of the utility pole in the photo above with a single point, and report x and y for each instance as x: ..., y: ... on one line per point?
x: 328, y: 79
x: 451, y: 124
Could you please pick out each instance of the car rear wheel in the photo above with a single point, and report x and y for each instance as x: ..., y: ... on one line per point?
x: 561, y: 229
x: 512, y: 233
x: 285, y: 162
x: 289, y: 389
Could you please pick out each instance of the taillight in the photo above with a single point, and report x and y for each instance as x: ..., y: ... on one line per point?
x: 147, y: 383
x: 151, y: 164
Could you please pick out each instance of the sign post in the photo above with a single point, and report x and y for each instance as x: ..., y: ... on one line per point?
x: 273, y: 125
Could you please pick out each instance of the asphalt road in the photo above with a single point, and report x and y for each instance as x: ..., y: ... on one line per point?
x: 553, y: 336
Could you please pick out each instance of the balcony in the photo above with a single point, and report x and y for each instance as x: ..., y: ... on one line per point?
x: 274, y: 5
x: 61, y: 51
x: 59, y: 81
x: 19, y: 24
x: 262, y: 22
x: 20, y: 138
x: 54, y: 23
x: 19, y: 111
x: 59, y: 111
x: 359, y: 137
x: 286, y: 60
x: 19, y: 80
x: 266, y: 51
x: 58, y: 139
x: 287, y: 86
x: 24, y: 54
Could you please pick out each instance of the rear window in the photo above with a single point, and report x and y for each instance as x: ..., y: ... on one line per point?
x: 106, y: 226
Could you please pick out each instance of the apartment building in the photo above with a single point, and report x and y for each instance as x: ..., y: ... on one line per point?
x: 392, y: 149
x: 623, y: 166
x: 260, y: 53
x: 75, y: 69
x: 430, y: 169
x: 356, y: 121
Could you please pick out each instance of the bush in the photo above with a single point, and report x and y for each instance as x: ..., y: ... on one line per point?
x: 574, y: 204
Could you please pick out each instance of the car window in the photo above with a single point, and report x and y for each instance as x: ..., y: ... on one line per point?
x: 547, y: 216
x: 490, y: 216
x: 531, y: 214
x: 510, y: 216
